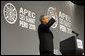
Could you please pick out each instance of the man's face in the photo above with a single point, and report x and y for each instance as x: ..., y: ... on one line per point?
x: 46, y: 19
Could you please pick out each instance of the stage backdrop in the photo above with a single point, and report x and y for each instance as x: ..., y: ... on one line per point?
x: 20, y: 21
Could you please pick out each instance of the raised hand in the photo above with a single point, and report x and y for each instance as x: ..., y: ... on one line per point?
x: 55, y: 12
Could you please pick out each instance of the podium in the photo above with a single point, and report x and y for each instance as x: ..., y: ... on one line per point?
x: 71, y: 46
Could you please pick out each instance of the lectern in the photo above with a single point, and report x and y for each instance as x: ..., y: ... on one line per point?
x: 71, y: 46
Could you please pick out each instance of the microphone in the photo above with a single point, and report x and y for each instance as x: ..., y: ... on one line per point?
x: 75, y: 33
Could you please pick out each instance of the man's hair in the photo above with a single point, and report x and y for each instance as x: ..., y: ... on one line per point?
x: 41, y: 18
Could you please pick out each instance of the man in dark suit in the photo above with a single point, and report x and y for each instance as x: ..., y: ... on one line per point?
x: 45, y: 35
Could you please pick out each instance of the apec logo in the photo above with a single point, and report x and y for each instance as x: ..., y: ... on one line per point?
x: 26, y: 17
x: 62, y: 19
x: 50, y: 13
x: 10, y: 13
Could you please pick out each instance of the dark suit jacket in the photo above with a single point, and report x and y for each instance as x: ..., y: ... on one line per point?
x: 46, y: 36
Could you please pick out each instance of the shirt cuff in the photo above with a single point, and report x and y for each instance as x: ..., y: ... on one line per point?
x: 53, y: 17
